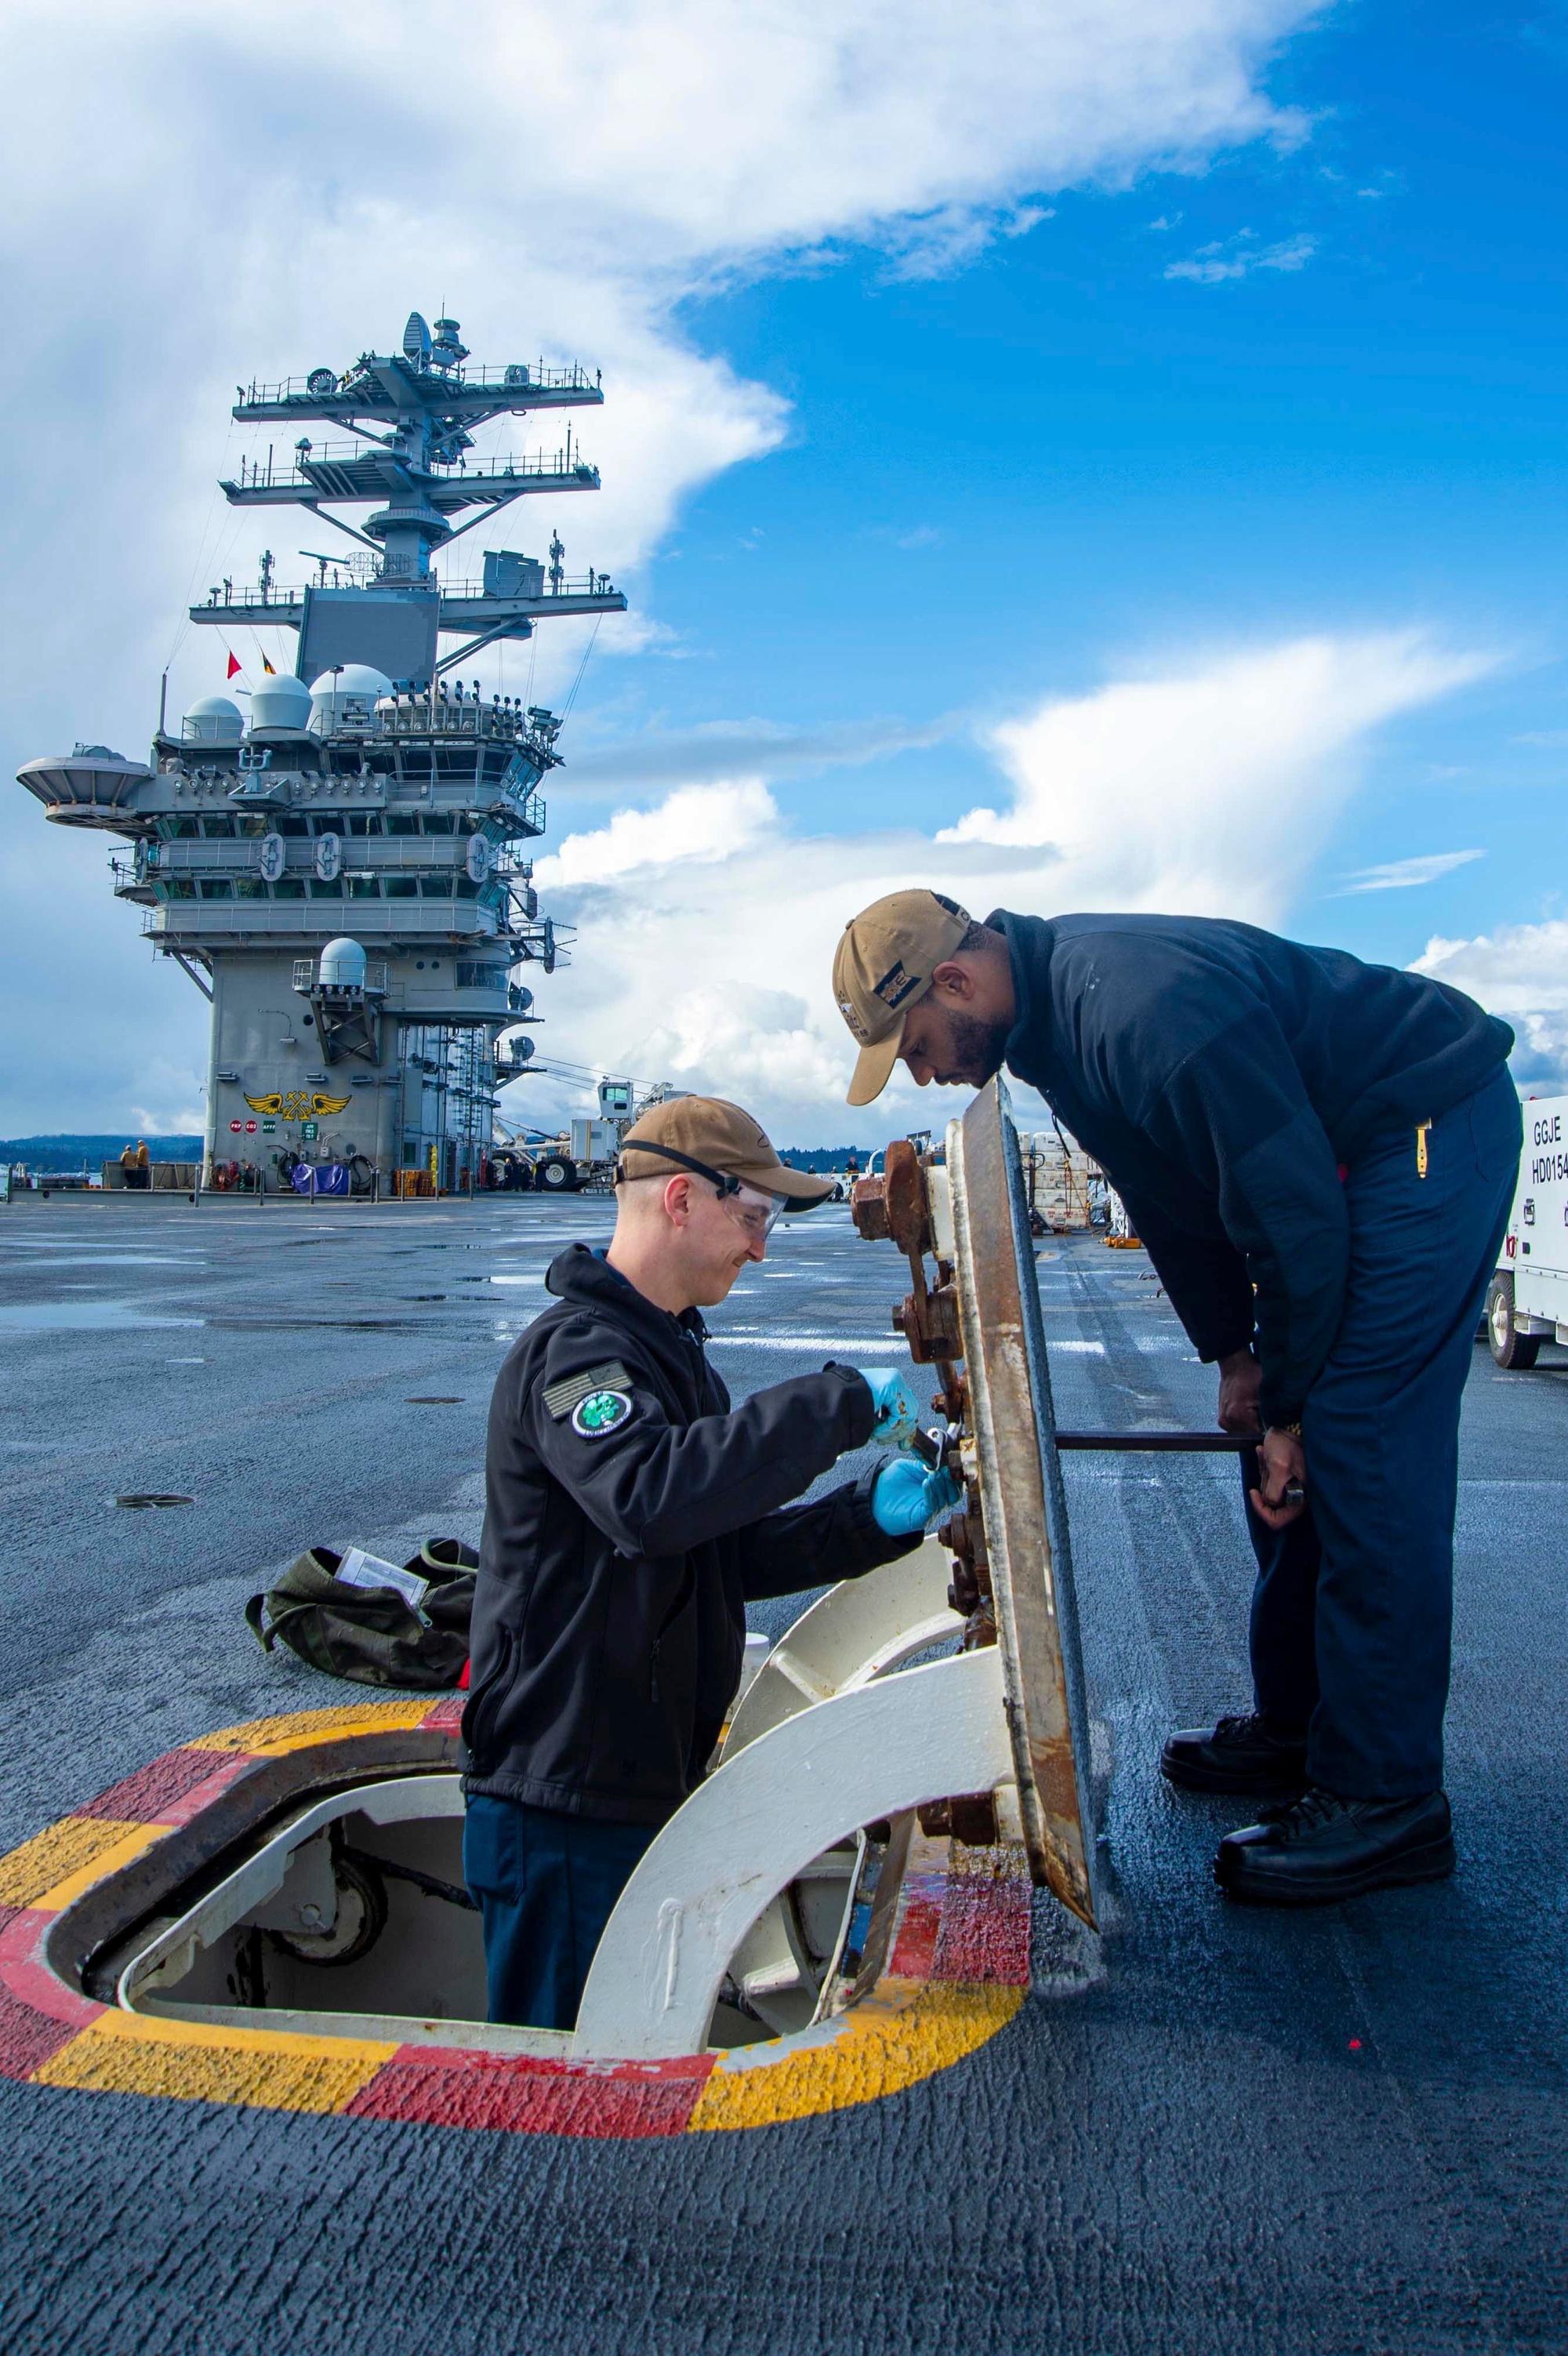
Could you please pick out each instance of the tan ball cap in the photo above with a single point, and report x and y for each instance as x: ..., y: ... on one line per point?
x: 719, y: 1136
x: 883, y: 965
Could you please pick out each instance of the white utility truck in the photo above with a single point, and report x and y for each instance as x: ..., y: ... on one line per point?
x: 1528, y: 1301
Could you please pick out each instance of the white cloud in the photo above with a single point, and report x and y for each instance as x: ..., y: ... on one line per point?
x: 1521, y: 973
x: 1208, y: 790
x: 701, y: 822
x: 1404, y: 874
x: 1212, y: 265
x: 726, y: 748
x: 191, y: 195
x: 938, y: 244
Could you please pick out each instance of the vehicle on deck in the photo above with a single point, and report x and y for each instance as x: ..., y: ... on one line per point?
x: 1528, y: 1300
x: 582, y: 1156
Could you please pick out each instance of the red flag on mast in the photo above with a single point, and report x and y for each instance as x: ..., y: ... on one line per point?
x: 235, y: 665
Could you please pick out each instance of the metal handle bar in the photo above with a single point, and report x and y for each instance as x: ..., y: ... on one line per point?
x: 1164, y: 1443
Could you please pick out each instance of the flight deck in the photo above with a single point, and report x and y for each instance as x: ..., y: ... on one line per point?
x: 1200, y: 2128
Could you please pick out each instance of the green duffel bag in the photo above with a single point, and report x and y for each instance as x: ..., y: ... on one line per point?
x: 381, y: 1623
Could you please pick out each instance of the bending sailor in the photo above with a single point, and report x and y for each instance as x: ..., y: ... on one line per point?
x: 1320, y: 1156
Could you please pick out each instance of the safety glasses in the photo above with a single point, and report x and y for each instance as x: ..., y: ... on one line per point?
x: 755, y: 1211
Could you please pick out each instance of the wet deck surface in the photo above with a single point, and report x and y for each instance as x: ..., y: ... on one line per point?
x: 1341, y: 2131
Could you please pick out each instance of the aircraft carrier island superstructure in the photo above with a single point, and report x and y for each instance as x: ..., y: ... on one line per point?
x: 342, y: 871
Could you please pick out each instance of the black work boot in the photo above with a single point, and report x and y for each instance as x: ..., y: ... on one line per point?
x: 1240, y: 1754
x: 1320, y: 1848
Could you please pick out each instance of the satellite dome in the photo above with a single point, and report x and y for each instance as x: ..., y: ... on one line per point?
x: 343, y: 965
x: 346, y: 698
x: 283, y: 703
x: 354, y: 678
x: 213, y: 720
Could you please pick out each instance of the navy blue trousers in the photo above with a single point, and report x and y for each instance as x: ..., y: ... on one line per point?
x: 1352, y: 1612
x: 546, y: 1885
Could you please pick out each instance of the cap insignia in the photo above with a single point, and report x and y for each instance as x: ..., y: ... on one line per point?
x: 896, y: 984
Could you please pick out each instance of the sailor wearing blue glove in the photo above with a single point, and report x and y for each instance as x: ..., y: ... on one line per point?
x: 907, y: 1497
x: 631, y: 1512
x: 898, y: 1410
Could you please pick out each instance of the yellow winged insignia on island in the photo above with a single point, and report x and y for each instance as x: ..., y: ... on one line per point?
x: 297, y: 1104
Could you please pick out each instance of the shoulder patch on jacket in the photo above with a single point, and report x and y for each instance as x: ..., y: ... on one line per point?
x: 561, y: 1398
x: 600, y: 1412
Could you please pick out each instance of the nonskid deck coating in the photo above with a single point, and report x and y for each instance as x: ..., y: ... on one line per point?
x: 1341, y: 2132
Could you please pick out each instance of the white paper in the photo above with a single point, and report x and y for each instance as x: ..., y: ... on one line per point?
x: 358, y: 1569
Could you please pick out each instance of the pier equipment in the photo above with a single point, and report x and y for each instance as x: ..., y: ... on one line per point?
x: 340, y: 871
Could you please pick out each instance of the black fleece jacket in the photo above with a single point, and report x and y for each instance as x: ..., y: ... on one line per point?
x: 1222, y: 1075
x: 629, y: 1516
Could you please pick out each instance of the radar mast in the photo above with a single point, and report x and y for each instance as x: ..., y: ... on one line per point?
x: 341, y: 870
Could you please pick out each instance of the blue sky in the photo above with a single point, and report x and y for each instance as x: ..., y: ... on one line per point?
x: 1130, y: 442
x: 1006, y: 483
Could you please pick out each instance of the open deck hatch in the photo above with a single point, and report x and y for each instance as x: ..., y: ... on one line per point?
x: 764, y: 1907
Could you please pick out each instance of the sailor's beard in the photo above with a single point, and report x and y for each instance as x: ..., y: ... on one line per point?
x: 978, y: 1048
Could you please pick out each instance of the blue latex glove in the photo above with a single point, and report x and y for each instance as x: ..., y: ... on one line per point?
x: 907, y: 1498
x: 898, y: 1410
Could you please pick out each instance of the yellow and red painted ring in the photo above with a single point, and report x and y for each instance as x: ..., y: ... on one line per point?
x: 957, y: 1973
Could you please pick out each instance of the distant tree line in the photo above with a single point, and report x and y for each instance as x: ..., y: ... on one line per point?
x: 71, y: 1153
x: 824, y: 1157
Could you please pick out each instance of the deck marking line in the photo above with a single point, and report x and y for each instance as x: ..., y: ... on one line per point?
x: 62, y: 1855
x: 138, y: 2053
x: 167, y: 1791
x: 907, y: 2031
x: 133, y: 1840
x: 38, y: 2013
x: 529, y: 2094
x: 273, y: 1737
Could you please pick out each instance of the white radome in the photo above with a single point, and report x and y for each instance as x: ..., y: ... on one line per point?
x: 342, y: 965
x: 213, y: 720
x: 354, y: 678
x: 346, y: 696
x: 281, y: 702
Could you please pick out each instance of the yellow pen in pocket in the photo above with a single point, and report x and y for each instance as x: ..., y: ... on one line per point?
x: 1421, y: 1129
